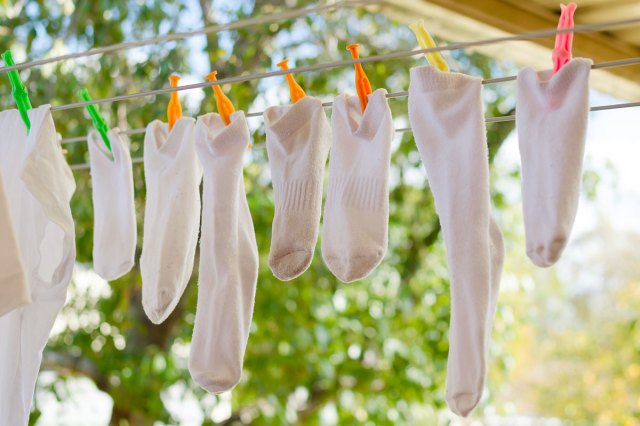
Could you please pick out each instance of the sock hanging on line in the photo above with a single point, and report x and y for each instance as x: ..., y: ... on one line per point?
x: 445, y: 110
x: 356, y: 214
x: 298, y: 141
x: 38, y: 184
x: 551, y: 118
x: 228, y: 256
x: 14, y: 291
x: 171, y: 217
x: 114, y: 216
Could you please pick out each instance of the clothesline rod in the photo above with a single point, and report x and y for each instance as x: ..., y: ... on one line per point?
x: 235, y: 25
x: 349, y: 62
x: 84, y: 138
x: 601, y: 65
x: 502, y: 119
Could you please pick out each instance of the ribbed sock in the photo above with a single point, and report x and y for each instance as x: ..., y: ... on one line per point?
x: 356, y: 214
x: 298, y: 141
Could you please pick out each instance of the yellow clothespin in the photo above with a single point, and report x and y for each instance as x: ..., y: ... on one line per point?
x: 426, y: 42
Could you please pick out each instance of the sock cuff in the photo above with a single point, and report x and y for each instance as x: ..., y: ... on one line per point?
x: 563, y: 81
x: 357, y: 192
x: 221, y: 139
x: 286, y: 119
x: 429, y: 78
x: 296, y: 195
x: 346, y: 106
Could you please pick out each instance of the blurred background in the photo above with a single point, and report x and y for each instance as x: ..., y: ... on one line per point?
x: 566, y: 341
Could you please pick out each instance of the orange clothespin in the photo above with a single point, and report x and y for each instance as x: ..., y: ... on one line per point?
x: 174, y: 110
x: 294, y: 88
x: 224, y: 105
x: 362, y: 82
x: 564, y: 42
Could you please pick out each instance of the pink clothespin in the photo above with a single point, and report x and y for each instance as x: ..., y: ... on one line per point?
x: 564, y: 42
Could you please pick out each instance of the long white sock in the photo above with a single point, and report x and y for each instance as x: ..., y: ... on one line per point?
x: 114, y: 229
x: 14, y: 291
x: 551, y: 118
x: 298, y: 141
x: 228, y: 256
x: 356, y: 213
x: 445, y: 110
x: 172, y: 215
x: 39, y: 185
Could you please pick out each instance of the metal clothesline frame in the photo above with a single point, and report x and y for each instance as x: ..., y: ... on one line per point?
x: 276, y: 17
x: 234, y: 25
x: 362, y: 60
x: 602, y: 65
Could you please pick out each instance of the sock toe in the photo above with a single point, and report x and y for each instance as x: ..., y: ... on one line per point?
x: 215, y: 383
x: 355, y: 268
x: 159, y: 311
x: 291, y: 264
x: 463, y: 403
x: 546, y: 255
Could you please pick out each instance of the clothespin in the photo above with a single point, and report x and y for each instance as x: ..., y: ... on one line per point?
x: 174, y: 110
x: 426, y: 42
x: 294, y: 88
x: 224, y: 105
x: 18, y: 91
x: 564, y: 42
x: 98, y: 121
x: 362, y: 82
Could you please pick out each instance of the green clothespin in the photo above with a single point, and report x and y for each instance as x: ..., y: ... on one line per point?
x: 98, y: 122
x: 19, y: 92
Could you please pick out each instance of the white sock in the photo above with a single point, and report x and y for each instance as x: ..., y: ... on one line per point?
x: 551, y: 117
x: 171, y: 217
x: 14, y: 291
x: 356, y: 213
x: 298, y: 141
x: 228, y: 256
x: 445, y: 110
x: 114, y: 229
x: 39, y: 185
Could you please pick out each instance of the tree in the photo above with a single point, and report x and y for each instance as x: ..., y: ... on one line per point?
x: 372, y: 352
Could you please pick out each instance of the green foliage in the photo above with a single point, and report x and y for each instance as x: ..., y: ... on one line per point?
x: 370, y: 351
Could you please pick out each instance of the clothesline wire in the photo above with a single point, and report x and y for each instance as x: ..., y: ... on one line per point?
x: 234, y: 25
x: 377, y: 58
x: 602, y: 65
x: 502, y: 119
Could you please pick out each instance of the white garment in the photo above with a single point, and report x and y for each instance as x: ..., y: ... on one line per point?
x: 39, y: 185
x: 228, y: 269
x: 356, y: 212
x: 14, y: 291
x: 298, y: 141
x: 445, y: 110
x: 551, y: 118
x: 171, y: 217
x: 114, y: 216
